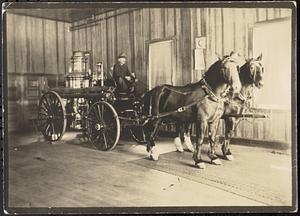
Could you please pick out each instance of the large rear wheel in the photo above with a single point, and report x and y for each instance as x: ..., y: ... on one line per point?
x: 103, y: 126
x: 52, y: 116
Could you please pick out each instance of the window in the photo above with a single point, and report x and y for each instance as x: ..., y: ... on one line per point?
x: 273, y: 39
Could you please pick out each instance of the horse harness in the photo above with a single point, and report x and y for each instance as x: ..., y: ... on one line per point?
x: 209, y: 94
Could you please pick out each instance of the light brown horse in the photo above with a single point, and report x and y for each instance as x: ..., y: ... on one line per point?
x: 209, y: 90
x: 251, y: 75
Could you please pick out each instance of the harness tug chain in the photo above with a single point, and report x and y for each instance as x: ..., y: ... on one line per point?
x: 89, y: 103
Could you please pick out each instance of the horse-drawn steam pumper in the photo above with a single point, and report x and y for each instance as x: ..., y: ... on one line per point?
x: 90, y: 103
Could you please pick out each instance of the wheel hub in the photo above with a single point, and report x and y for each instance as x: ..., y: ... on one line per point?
x: 99, y: 126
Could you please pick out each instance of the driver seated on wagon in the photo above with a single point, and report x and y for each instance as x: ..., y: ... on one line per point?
x: 124, y: 79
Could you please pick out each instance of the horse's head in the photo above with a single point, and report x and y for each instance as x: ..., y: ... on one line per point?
x: 230, y: 71
x: 256, y: 71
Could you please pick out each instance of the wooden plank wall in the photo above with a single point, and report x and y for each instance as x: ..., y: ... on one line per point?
x: 130, y: 32
x: 226, y: 29
x: 38, y: 52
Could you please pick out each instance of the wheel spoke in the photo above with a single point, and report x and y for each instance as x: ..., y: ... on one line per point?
x: 105, y: 137
x: 100, y: 111
x: 43, y: 108
x: 91, y: 120
x: 51, y: 116
x: 104, y: 140
x: 43, y: 114
x: 96, y: 114
x: 48, y: 104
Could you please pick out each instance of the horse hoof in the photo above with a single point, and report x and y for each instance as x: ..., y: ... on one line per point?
x: 154, y: 157
x: 229, y: 157
x: 216, y: 161
x: 154, y: 154
x: 201, y: 165
x: 178, y: 145
x: 189, y: 145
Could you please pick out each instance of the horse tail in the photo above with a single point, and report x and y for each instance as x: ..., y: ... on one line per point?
x: 151, y: 100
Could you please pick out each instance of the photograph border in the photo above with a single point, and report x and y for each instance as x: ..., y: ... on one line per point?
x: 154, y: 209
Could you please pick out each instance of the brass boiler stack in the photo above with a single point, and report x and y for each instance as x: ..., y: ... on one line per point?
x: 78, y: 76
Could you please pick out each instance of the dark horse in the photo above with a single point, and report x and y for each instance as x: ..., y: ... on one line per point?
x: 199, y: 102
x: 251, y: 75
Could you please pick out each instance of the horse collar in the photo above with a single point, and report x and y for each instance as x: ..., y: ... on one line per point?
x: 206, y: 87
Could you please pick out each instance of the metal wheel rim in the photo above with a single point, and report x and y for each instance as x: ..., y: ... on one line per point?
x: 103, y: 132
x: 52, y: 116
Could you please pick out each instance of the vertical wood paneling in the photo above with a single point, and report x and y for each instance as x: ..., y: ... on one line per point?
x: 94, y: 44
x: 251, y: 18
x: 29, y: 45
x: 156, y: 23
x: 211, y: 54
x: 285, y: 12
x: 218, y: 32
x: 20, y: 44
x: 34, y: 46
x: 89, y: 41
x: 82, y: 39
x: 193, y: 18
x: 185, y: 53
x: 68, y: 46
x: 270, y: 13
x: 123, y: 39
x: 239, y: 31
x: 37, y: 46
x: 262, y: 14
x: 138, y: 44
x: 61, y: 48
x: 103, y: 44
x: 50, y: 47
x: 10, y: 37
x: 146, y: 37
x: 111, y: 39
x: 277, y: 12
x: 228, y: 30
x: 169, y: 22
x: 198, y: 21
x: 178, y: 76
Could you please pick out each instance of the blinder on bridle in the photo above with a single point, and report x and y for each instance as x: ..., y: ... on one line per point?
x: 224, y: 61
x: 257, y: 64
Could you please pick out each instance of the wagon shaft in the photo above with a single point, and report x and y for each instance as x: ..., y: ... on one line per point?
x: 247, y: 115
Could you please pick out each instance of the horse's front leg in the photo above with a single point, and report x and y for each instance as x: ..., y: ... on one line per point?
x: 212, y: 132
x: 229, y: 129
x: 200, y: 132
x: 152, y: 130
x: 179, y: 138
x: 187, y: 137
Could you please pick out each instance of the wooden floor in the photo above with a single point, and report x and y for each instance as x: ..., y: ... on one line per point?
x: 73, y: 174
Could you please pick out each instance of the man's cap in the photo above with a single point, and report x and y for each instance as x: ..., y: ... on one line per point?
x: 122, y: 55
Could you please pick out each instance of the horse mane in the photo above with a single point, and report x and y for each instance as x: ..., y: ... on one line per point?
x: 214, y: 66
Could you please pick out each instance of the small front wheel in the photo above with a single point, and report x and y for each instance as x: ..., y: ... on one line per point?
x: 103, y: 126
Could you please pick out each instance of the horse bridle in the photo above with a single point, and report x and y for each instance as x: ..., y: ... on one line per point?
x: 255, y: 70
